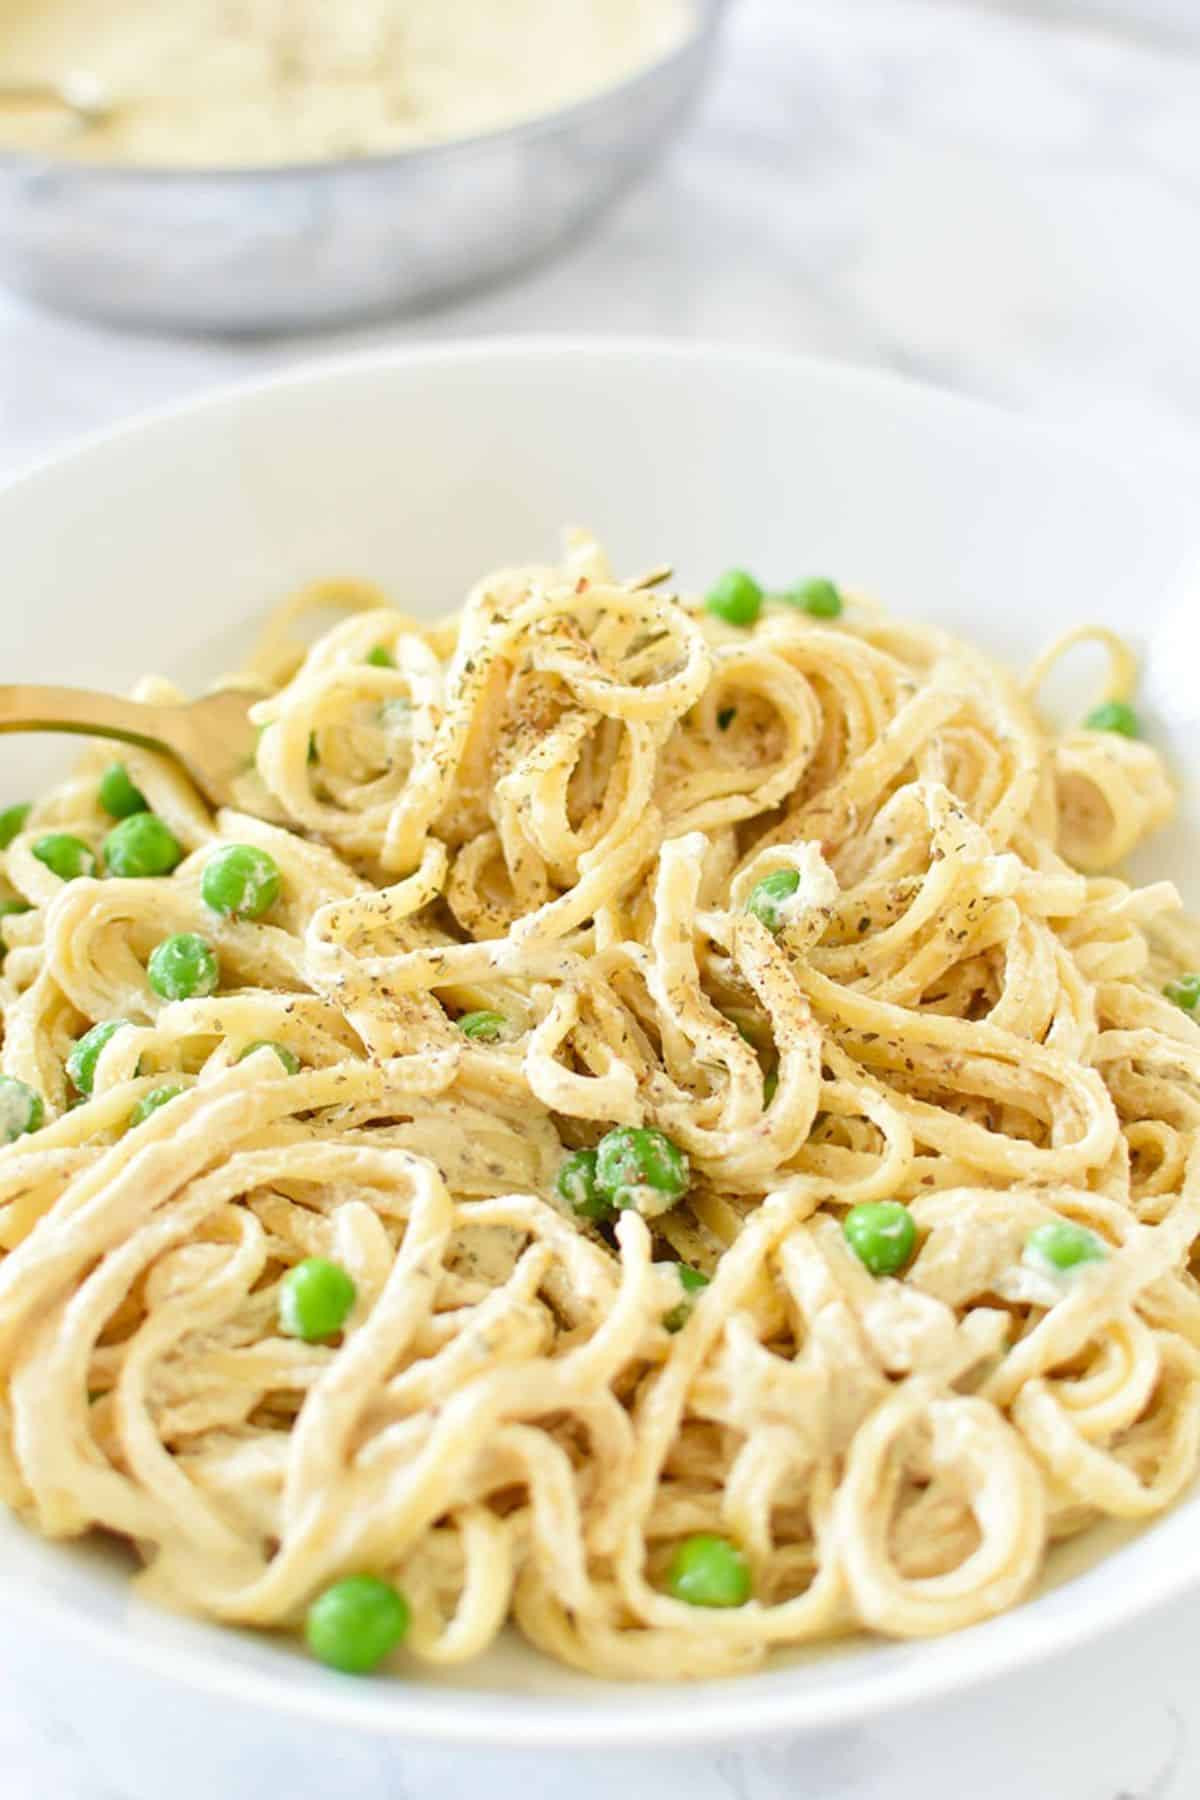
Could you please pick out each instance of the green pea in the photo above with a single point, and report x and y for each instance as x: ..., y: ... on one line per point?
x: 81, y: 1064
x: 769, y: 896
x: 150, y: 1103
x: 117, y: 794
x: 12, y: 820
x: 289, y: 1059
x: 820, y: 599
x: 355, y: 1624
x: 692, y: 1281
x: 707, y: 1570
x: 770, y: 1086
x: 725, y: 717
x: 1059, y: 1247
x: 21, y: 1109
x: 576, y: 1184
x: 381, y: 657
x: 484, y: 1027
x: 315, y: 1299
x: 882, y: 1234
x: 65, y: 856
x: 1185, y: 992
x: 1114, y: 715
x: 240, y: 881
x: 735, y: 597
x: 183, y: 967
x: 142, y: 846
x: 639, y: 1166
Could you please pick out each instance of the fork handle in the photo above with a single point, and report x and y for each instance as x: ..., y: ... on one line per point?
x: 87, y: 714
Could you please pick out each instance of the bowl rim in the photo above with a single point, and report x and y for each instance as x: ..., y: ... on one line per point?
x: 776, y: 1701
x: 953, y: 406
x: 696, y: 40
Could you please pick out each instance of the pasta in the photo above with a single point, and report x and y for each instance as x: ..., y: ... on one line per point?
x: 819, y: 910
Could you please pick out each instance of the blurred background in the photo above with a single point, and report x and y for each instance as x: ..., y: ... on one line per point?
x: 1000, y: 196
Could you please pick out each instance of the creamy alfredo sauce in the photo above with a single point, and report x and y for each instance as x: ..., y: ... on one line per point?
x: 270, y: 81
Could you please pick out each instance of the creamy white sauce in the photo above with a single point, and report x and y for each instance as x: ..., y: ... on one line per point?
x: 818, y: 890
x: 14, y: 1111
x: 649, y: 1201
x: 270, y: 81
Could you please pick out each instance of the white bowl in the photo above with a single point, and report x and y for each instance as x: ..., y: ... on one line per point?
x: 157, y: 547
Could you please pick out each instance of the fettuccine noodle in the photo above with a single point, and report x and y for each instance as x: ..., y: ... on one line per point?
x: 556, y: 806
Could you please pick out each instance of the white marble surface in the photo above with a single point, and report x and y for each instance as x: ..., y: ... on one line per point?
x: 1002, y: 199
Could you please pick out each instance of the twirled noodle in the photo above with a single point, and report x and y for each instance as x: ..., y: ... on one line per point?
x: 556, y: 806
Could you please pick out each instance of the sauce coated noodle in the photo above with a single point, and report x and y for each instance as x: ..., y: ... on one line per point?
x: 554, y: 808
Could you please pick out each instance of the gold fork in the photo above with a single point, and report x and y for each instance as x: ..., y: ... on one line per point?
x: 212, y: 738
